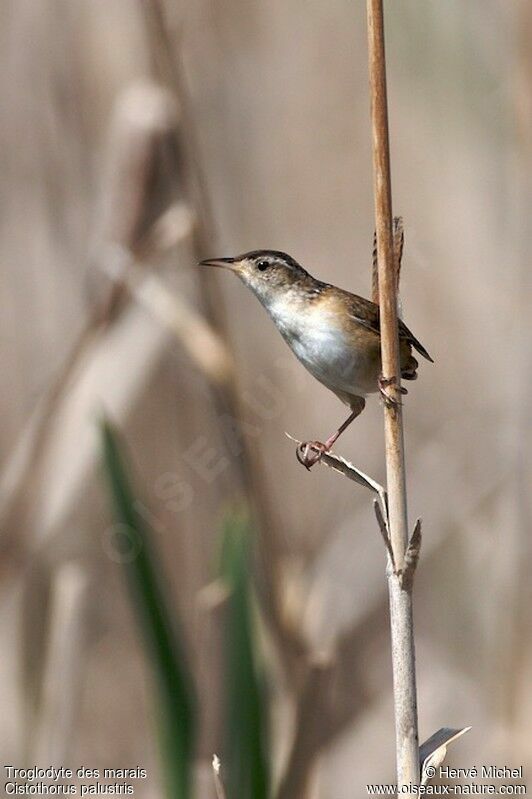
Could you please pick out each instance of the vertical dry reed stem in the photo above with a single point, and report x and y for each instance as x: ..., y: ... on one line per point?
x: 401, y: 618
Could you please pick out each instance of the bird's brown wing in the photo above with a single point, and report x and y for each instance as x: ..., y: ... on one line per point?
x: 366, y: 313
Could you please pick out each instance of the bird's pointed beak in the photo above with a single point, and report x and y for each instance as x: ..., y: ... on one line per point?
x: 225, y: 263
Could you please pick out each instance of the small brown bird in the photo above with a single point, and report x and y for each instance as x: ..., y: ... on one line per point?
x: 335, y: 334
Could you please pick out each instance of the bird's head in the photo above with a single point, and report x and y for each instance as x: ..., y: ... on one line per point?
x: 267, y: 273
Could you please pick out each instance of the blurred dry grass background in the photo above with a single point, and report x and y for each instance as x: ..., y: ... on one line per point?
x: 137, y: 135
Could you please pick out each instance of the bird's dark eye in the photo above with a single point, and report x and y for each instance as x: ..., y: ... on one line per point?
x: 262, y: 265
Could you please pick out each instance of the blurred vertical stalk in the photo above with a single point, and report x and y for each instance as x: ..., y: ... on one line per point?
x: 401, y: 617
x: 53, y: 733
x: 520, y: 171
x: 167, y: 65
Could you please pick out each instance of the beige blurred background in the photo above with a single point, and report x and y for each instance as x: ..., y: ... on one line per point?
x: 148, y: 134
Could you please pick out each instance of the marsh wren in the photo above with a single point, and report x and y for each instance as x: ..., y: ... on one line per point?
x: 335, y: 334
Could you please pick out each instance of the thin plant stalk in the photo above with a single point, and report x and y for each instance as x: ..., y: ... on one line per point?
x: 401, y: 616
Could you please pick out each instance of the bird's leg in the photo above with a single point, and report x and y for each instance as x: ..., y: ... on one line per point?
x: 309, y: 452
x: 389, y: 400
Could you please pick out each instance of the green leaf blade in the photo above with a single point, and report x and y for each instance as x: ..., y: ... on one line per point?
x: 246, y: 702
x: 175, y: 691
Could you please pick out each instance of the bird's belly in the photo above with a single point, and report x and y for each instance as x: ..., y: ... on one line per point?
x: 333, y: 360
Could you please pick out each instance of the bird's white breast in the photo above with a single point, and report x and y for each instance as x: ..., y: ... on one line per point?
x: 318, y: 341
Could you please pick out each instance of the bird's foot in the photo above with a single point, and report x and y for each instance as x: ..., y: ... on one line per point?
x: 309, y: 452
x: 389, y: 399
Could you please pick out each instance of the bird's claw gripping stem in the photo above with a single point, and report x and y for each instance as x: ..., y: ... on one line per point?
x: 309, y: 453
x: 389, y: 400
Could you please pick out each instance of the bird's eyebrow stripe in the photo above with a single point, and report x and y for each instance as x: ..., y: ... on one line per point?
x: 272, y: 255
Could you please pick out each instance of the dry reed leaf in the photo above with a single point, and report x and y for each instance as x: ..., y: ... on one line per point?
x: 343, y: 466
x: 432, y: 753
x: 411, y: 558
